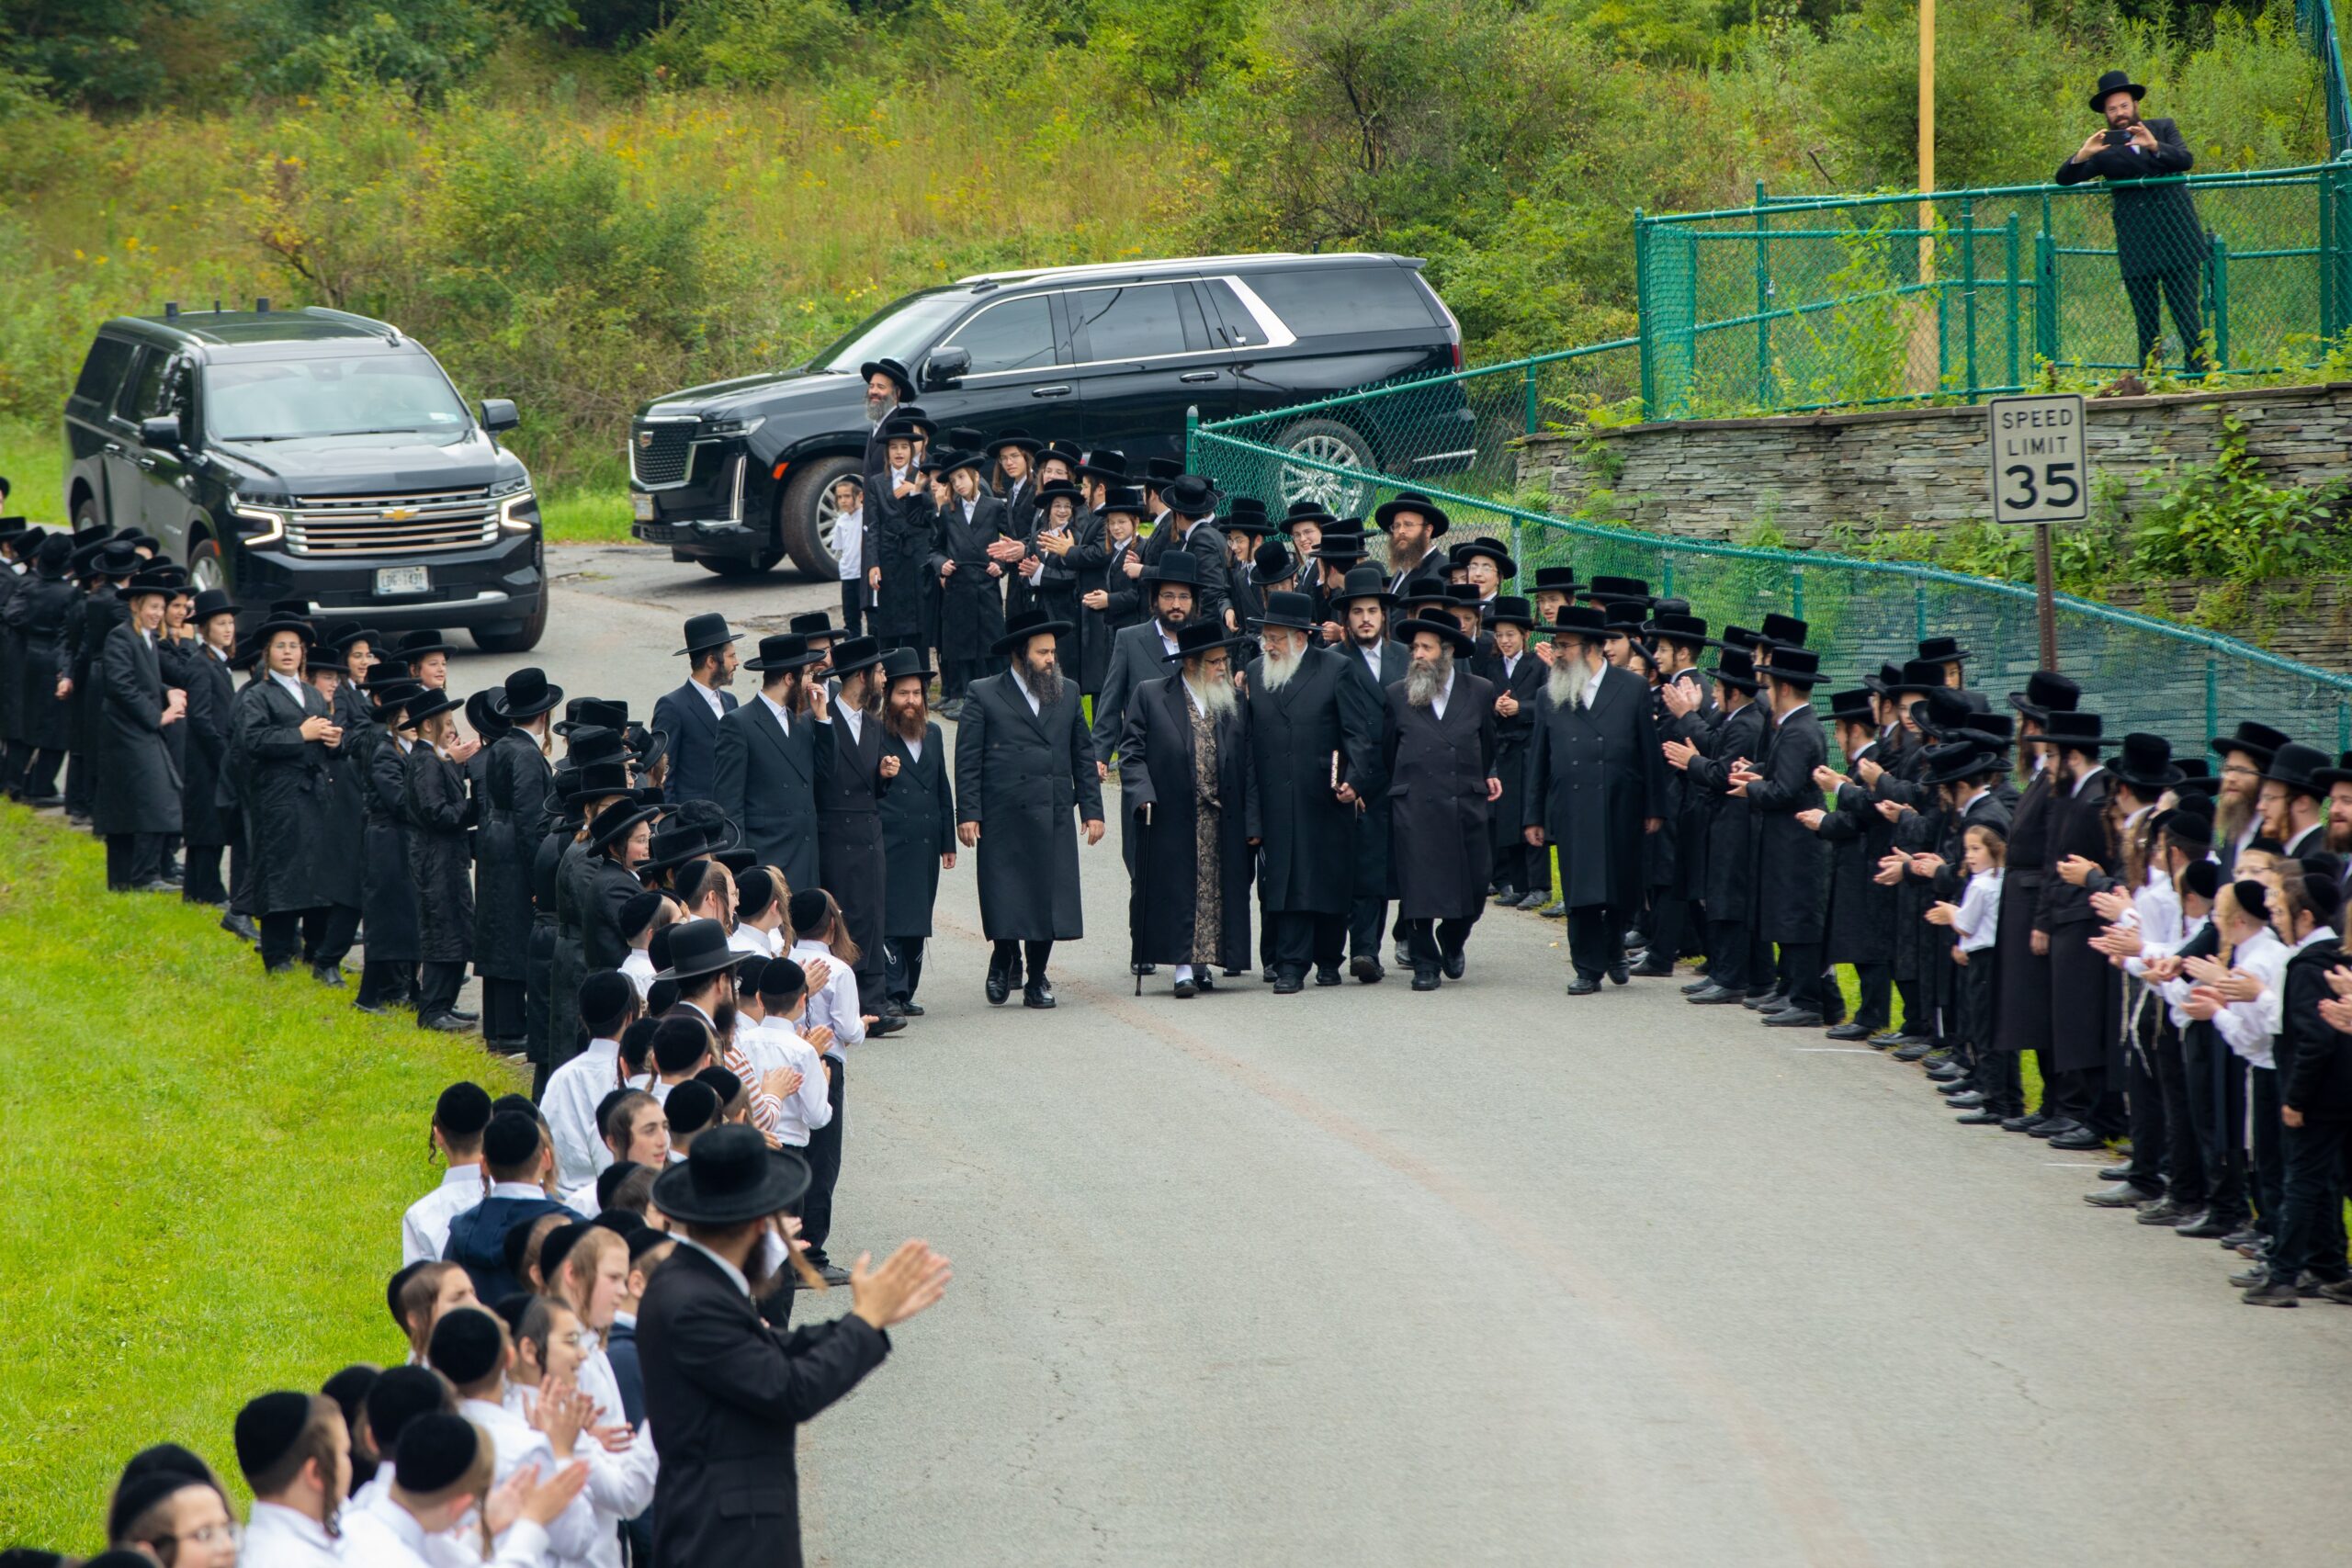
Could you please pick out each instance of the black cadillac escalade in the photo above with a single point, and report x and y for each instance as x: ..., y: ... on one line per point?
x: 737, y: 474
x: 311, y: 456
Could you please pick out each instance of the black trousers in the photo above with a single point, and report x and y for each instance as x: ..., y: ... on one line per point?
x: 504, y: 1013
x: 902, y: 961
x: 1596, y: 939
x: 1010, y: 955
x: 2317, y: 1167
x: 1874, y: 988
x: 327, y: 933
x: 281, y: 936
x: 1727, y: 953
x: 2265, y: 1159
x: 38, y: 781
x: 241, y: 866
x: 1800, y: 972
x: 1302, y: 936
x: 2215, y: 1085
x: 2180, y: 287
x: 437, y: 988
x: 2145, y: 1105
x: 79, y: 786
x: 1667, y: 911
x: 1430, y: 943
x: 201, y: 881
x: 824, y: 1156
x: 1519, y: 866
x: 1366, y: 919
x: 853, y: 606
x: 2071, y: 1094
x: 1916, y: 1007
x: 383, y: 983
x: 133, y: 860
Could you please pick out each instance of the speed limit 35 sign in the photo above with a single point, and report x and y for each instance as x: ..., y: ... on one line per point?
x: 2040, y: 471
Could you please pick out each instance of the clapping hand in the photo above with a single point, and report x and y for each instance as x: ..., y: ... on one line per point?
x: 2239, y: 986
x: 1942, y: 914
x: 2202, y: 1004
x: 2112, y: 904
x: 1871, y: 772
x: 816, y: 972
x: 1892, y: 810
x: 1890, y: 870
x: 2338, y: 1012
x: 1810, y: 818
x: 1826, y: 777
x: 778, y: 1083
x: 1679, y: 753
x: 1926, y: 864
x: 2120, y: 942
x: 2339, y: 980
x: 913, y: 1278
x: 2077, y: 870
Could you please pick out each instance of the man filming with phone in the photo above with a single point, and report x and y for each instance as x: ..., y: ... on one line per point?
x: 2159, y: 243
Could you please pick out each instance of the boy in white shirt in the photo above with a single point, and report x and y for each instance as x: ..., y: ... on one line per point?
x: 849, y: 546
x: 458, y: 1117
x: 608, y: 1004
x: 644, y: 914
x: 817, y: 927
x: 759, y: 914
x: 783, y: 1001
x: 470, y: 1348
x: 1975, y: 923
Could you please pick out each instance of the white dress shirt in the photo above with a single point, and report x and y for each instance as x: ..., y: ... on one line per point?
x: 835, y: 1005
x: 1591, y: 693
x: 379, y: 1533
x: 1370, y: 657
x: 1446, y: 690
x: 1979, y: 920
x: 292, y: 687
x: 748, y: 938
x: 776, y: 708
x: 2252, y: 1028
x: 573, y: 1092
x: 572, y: 1536
x: 849, y: 544
x: 620, y: 1485
x: 773, y: 1043
x: 1022, y: 686
x: 639, y: 968
x: 279, y: 1536
x: 710, y: 695
x: 424, y: 1229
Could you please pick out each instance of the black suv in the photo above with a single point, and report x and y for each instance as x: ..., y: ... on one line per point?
x: 737, y: 474
x: 310, y: 454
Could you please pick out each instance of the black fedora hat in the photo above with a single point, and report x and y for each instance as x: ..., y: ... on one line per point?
x: 704, y: 632
x: 678, y: 840
x: 420, y: 644
x: 211, y: 601
x: 1919, y: 677
x: 1127, y: 498
x: 1737, y: 669
x: 596, y: 780
x: 1555, y: 579
x: 390, y: 696
x: 1688, y: 631
x: 2047, y: 692
x: 285, y: 616
x: 1383, y: 516
x: 148, y: 582
x: 1578, y: 620
x: 2081, y: 730
x: 526, y: 694
x: 729, y: 1176
x: 1063, y: 452
x: 1885, y: 681
x: 699, y: 948
x: 646, y: 747
x: 1512, y: 610
x: 2198, y: 778
x: 908, y: 422
x: 1795, y: 666
x: 345, y: 633
x: 1942, y: 649
x: 2328, y: 778
x: 324, y: 661
x: 2256, y: 740
x: 1016, y: 436
x: 1284, y: 608
x: 1735, y: 637
x: 905, y: 664
x: 812, y: 625
x: 1035, y: 622
x: 945, y: 463
x: 784, y: 650
x: 1189, y: 495
x: 852, y: 654
x: 1453, y: 635
x: 1363, y: 582
x: 1490, y: 548
x: 1785, y: 631
x: 432, y: 705
x: 1158, y: 471
x: 1106, y: 463
x: 1196, y: 637
x: 1426, y: 587
x: 482, y: 713
x: 1271, y: 563
x: 115, y: 558
x: 1061, y: 490
x: 581, y: 712
x: 595, y: 743
x: 1305, y: 511
x: 2296, y: 765
x: 1246, y: 515
x: 1947, y: 708
x: 615, y: 821
x: 1179, y: 567
x: 2111, y: 83
x: 1341, y: 550
x: 1982, y: 726
x: 2144, y: 762
x: 1957, y: 760
x: 1632, y: 589
x: 1851, y: 707
x: 885, y: 366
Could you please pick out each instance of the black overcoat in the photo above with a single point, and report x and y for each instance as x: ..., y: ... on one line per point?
x: 288, y: 780
x: 575, y: 879
x: 39, y: 613
x: 1440, y: 845
x: 1021, y: 775
x: 1375, y: 823
x: 918, y: 827
x: 2022, y: 1007
x: 849, y: 827
x: 2156, y: 228
x: 766, y: 784
x: 1860, y: 927
x: 1524, y: 682
x: 1099, y: 563
x: 12, y: 658
x: 1161, y: 793
x: 971, y: 603
x: 439, y: 812
x: 387, y: 885
x: 1206, y: 544
x: 609, y: 888
x: 1592, y: 779
x: 102, y: 610
x: 724, y: 1396
x: 511, y: 803
x: 1791, y: 864
x: 897, y: 540
x: 1305, y: 865
x: 343, y: 877
x: 1729, y: 892
x: 138, y: 788
x: 211, y: 694
x: 1688, y: 810
x: 2086, y: 999
x: 539, y: 971
x: 1139, y: 657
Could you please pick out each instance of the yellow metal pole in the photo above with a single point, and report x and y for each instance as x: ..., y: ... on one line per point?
x: 1927, y: 135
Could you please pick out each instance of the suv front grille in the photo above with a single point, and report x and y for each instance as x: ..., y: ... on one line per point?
x: 660, y: 452
x: 391, y: 525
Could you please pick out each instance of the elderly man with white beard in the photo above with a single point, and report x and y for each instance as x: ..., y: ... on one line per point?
x: 1596, y: 783
x: 1438, y: 743
x: 1314, y: 739
x: 1185, y: 784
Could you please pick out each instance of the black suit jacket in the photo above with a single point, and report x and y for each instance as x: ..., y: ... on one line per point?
x: 2157, y: 227
x: 725, y: 1393
x: 766, y: 781
x: 694, y: 742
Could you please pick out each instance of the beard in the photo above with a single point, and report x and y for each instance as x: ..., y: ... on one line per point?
x: 1570, y: 670
x: 1045, y: 681
x: 2232, y: 812
x: 1367, y: 638
x: 909, y: 721
x: 1280, y: 666
x: 722, y: 1020
x: 869, y: 699
x: 1218, y: 697
x: 1426, y: 678
x: 1173, y: 617
x: 2339, y: 835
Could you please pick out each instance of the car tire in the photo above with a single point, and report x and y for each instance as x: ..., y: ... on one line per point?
x: 86, y: 515
x: 205, y: 567
x: 508, y: 638
x: 736, y: 566
x: 805, y: 514
x: 1325, y: 441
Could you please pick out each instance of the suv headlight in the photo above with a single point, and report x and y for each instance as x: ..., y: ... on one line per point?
x: 269, y: 523
x: 721, y: 429
x: 513, y: 496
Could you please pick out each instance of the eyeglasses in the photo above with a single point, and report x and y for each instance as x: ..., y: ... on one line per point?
x: 229, y: 1534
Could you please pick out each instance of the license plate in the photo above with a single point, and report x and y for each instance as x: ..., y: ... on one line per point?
x: 403, y: 580
x: 643, y: 506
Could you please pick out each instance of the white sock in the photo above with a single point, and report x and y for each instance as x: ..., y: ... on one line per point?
x: 1184, y: 973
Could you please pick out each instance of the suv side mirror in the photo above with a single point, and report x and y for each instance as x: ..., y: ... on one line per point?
x: 498, y: 413
x: 946, y: 367
x: 159, y: 434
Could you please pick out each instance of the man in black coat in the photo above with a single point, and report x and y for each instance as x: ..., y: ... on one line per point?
x: 725, y: 1392
x: 1790, y: 866
x: 764, y: 773
x: 897, y: 522
x: 1729, y: 892
x: 853, y: 772
x: 1185, y: 784
x: 512, y: 799
x: 1859, y: 927
x: 205, y: 828
x: 1437, y: 753
x: 690, y: 715
x: 1594, y: 789
x: 1191, y: 501
x: 971, y: 580
x: 106, y: 569
x: 1523, y: 871
x: 1363, y: 604
x: 2080, y: 1105
x: 917, y: 824
x: 1024, y: 762
x: 282, y: 734
x: 137, y: 801
x: 2160, y: 244
x: 1170, y: 588
x: 1315, y: 729
x: 46, y: 602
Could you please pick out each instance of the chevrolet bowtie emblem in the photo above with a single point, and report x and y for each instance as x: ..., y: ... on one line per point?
x: 398, y: 513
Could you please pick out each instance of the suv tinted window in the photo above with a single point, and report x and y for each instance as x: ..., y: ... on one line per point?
x: 144, y: 397
x: 1133, y: 321
x: 1012, y: 334
x: 102, y: 372
x: 1239, y: 328
x: 1317, y: 301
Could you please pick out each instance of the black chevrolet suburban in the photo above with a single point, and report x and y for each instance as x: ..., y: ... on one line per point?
x: 310, y: 454
x: 737, y: 474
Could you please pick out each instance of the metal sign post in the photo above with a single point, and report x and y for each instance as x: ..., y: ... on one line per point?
x: 2040, y: 474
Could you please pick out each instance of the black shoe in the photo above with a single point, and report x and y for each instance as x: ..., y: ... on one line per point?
x: 1980, y: 1118
x: 1507, y: 895
x: 888, y: 1024
x: 44, y: 802
x: 2205, y: 1227
x: 2121, y: 1171
x: 442, y: 1022
x: 1967, y: 1099
x: 1143, y: 968
x: 1716, y: 996
x: 1918, y: 1048
x: 1767, y: 1001
x: 327, y: 974
x: 1851, y: 1032
x: 1426, y: 980
x: 2081, y: 1139
x: 1185, y: 988
x: 911, y: 1010
x: 2022, y: 1124
x: 2338, y: 1290
x: 1940, y: 1056
x: 1701, y: 983
x: 1289, y: 985
x: 2166, y: 1212
x: 1793, y: 1018
x: 2122, y: 1195
x: 1896, y: 1041
x: 2243, y: 1237
x: 1532, y: 901
x: 2274, y: 1293
x: 1453, y: 964
x: 1000, y: 987
x: 241, y: 926
x: 462, y: 1016
x: 1037, y: 994
x: 1326, y: 976
x: 1583, y: 986
x: 2050, y: 1126
x: 1619, y: 975
x: 373, y: 1010
x: 1404, y: 956
x: 1367, y: 968
x: 1557, y: 909
x: 1269, y: 975
x: 1652, y: 971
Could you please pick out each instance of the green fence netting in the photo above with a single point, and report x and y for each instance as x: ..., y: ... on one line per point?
x: 2315, y: 19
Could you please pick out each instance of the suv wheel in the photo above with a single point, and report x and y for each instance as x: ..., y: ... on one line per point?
x: 807, y: 517
x: 204, y: 567
x: 86, y: 513
x: 1321, y: 442
x: 520, y: 637
x: 735, y: 565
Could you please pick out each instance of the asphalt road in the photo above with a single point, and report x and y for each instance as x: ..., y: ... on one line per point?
x: 1491, y: 1276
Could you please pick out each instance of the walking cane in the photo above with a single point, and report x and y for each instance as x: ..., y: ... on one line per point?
x: 1135, y: 906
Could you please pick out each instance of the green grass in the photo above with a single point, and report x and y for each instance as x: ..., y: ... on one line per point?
x: 582, y: 515
x: 210, y: 1170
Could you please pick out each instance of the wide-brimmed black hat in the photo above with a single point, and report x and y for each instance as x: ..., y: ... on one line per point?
x: 1016, y: 436
x: 1511, y: 610
x: 1735, y: 636
x: 1272, y: 562
x: 1178, y: 566
x: 482, y: 713
x: 1028, y: 623
x: 1981, y: 726
x: 526, y: 694
x: 908, y: 422
x: 1737, y: 668
x: 285, y: 616
x: 1490, y: 548
x: 1246, y: 515
x: 113, y: 558
x: 595, y: 743
x: 704, y: 632
x: 812, y: 625
x: 885, y: 366
x: 1796, y: 666
x: 1425, y: 588
x: 1942, y: 649
x: 1688, y: 631
x: 1305, y: 511
x: 2111, y: 83
x: 784, y: 650
x: 1196, y: 637
x: 327, y: 660
x: 583, y: 712
x: 1632, y: 590
x: 2046, y: 692
x: 1785, y: 631
x: 149, y: 583
x: 731, y: 1176
x: 420, y: 644
x: 2197, y: 778
x: 1105, y: 463
x: 904, y: 663
x: 1555, y: 579
x: 1189, y: 495
x: 646, y: 747
x: 388, y: 696
x: 699, y: 948
x: 1123, y: 498
x: 1578, y: 620
x: 1158, y: 471
x: 1384, y: 514
x: 1071, y: 456
x: 1364, y: 582
x: 2328, y: 778
x: 1284, y: 608
x: 1885, y: 681
x: 2256, y: 740
x: 593, y: 780
x: 615, y: 822
x: 1461, y: 642
x: 1338, y: 548
x: 1061, y: 490
x: 211, y: 601
x: 2078, y: 729
x: 2297, y: 766
x: 2144, y: 762
x: 430, y: 706
x: 852, y: 654
x: 1919, y: 677
x: 678, y: 840
x: 1851, y: 707
x: 1958, y: 760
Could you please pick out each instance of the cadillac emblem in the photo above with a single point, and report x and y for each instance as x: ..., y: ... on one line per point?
x: 644, y: 439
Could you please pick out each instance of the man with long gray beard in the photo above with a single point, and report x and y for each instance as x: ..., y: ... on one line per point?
x: 1315, y: 737
x: 1438, y: 749
x: 1596, y: 785
x: 917, y: 824
x: 1024, y: 760
x: 854, y: 771
x: 1184, y: 784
